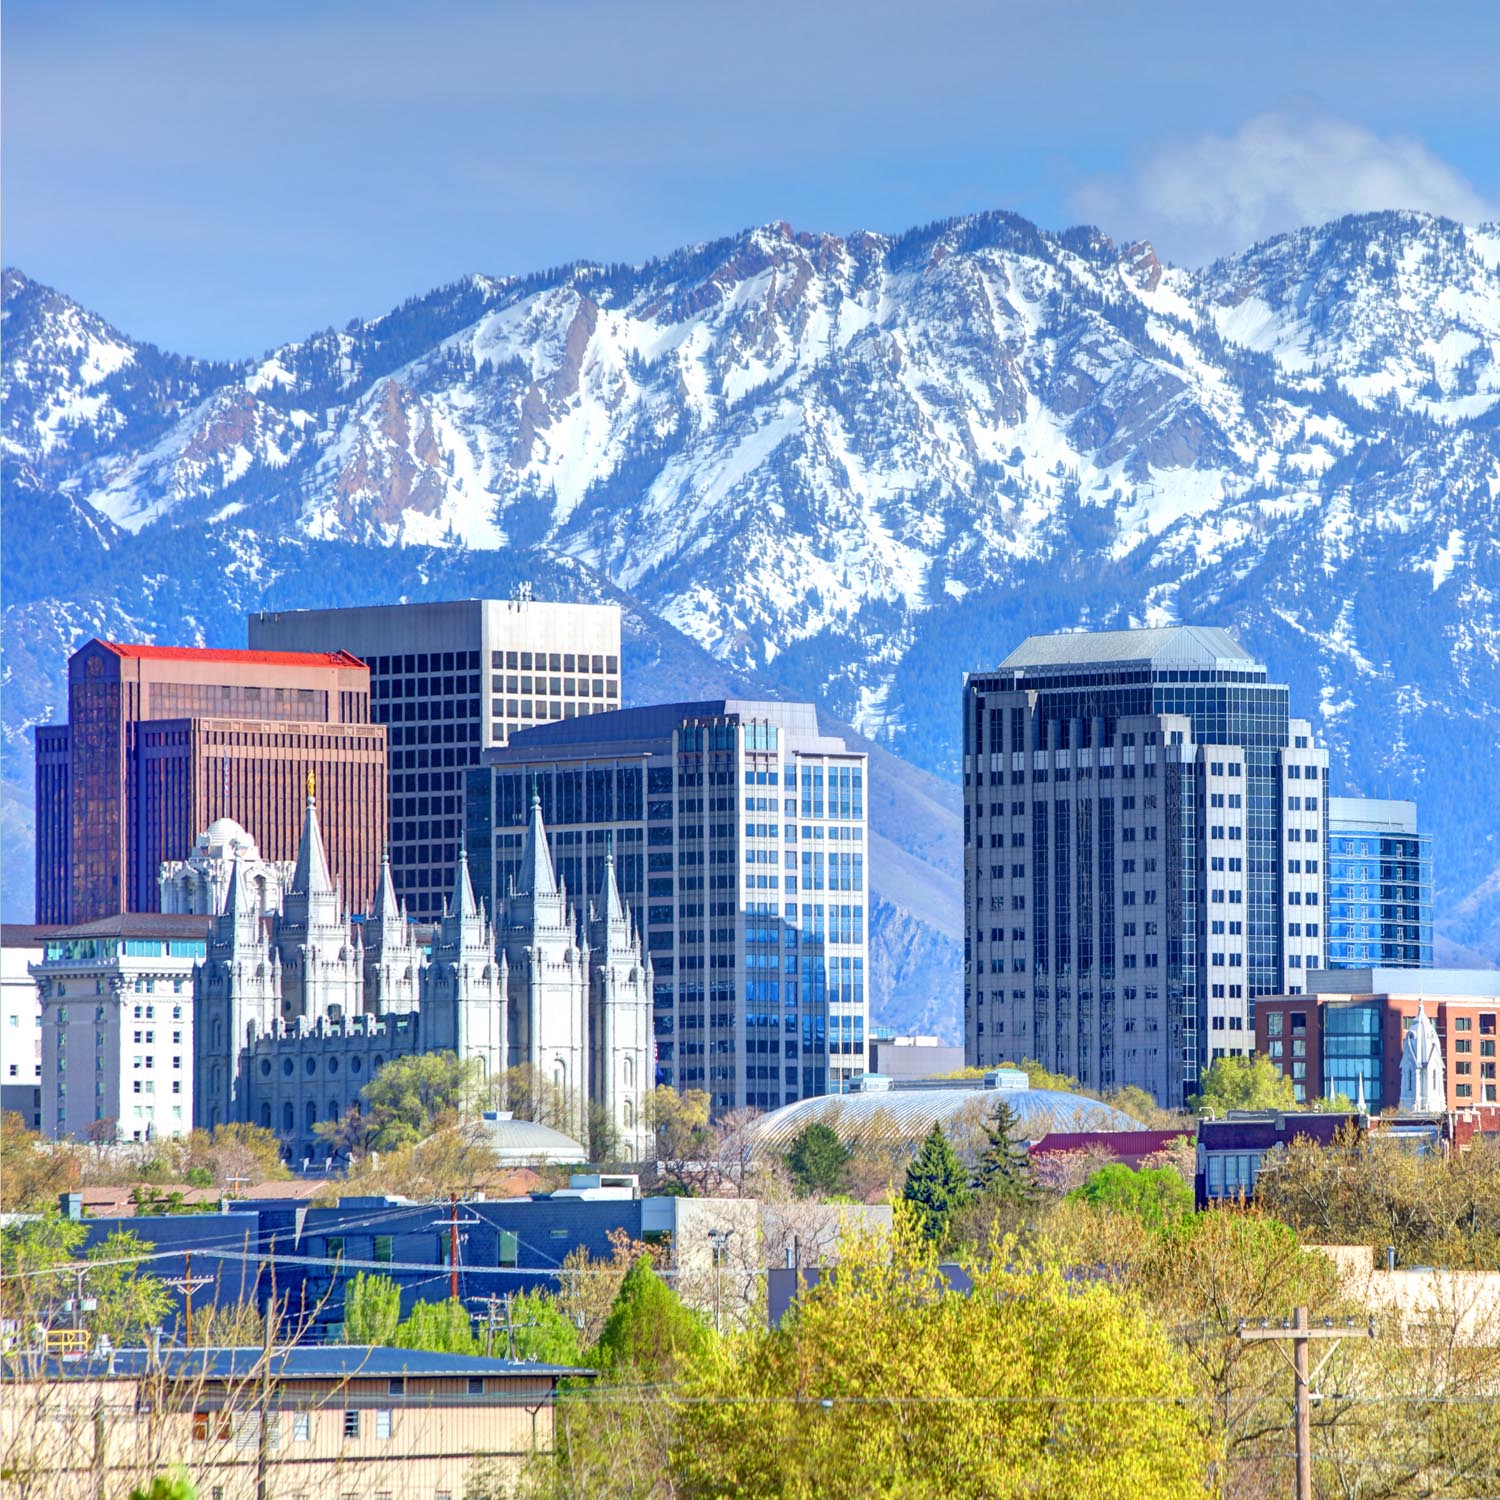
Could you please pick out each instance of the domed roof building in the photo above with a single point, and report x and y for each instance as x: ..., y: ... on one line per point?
x: 908, y: 1111
x: 529, y: 1143
x: 199, y: 884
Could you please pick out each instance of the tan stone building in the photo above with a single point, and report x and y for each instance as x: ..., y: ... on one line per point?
x: 316, y: 1423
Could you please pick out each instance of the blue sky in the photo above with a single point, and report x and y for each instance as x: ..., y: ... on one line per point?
x: 218, y: 177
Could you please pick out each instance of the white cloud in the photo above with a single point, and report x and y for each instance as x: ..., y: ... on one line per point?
x: 1209, y: 196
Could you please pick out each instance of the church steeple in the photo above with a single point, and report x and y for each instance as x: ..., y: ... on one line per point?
x: 536, y: 876
x: 313, y: 899
x: 1422, y: 1087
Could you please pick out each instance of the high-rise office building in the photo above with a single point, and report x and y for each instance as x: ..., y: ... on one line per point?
x: 738, y: 832
x: 161, y: 741
x: 1379, y: 886
x: 1143, y: 847
x: 452, y: 680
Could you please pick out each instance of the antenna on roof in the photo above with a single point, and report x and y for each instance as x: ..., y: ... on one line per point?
x: 521, y: 594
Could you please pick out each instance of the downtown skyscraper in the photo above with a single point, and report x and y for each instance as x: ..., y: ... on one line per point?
x: 1144, y: 831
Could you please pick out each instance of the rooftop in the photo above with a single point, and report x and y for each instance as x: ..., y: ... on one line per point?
x: 135, y: 924
x: 1372, y: 814
x: 657, y: 721
x: 313, y: 1362
x: 1435, y: 984
x: 1164, y: 646
x: 311, y: 660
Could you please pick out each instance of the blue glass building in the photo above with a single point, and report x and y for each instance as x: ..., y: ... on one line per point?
x: 1379, y: 886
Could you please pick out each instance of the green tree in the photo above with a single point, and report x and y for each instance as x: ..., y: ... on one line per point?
x: 372, y: 1309
x: 540, y: 1331
x: 131, y: 1302
x: 937, y: 1187
x: 650, y: 1334
x: 1157, y: 1196
x: 885, y: 1382
x: 409, y: 1096
x: 173, y: 1486
x: 1004, y: 1166
x: 1243, y: 1083
x: 443, y: 1327
x: 817, y: 1160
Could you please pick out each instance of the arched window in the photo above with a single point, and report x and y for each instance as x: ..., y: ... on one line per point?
x: 333, y: 1109
x: 265, y: 1115
x: 312, y: 1114
x: 628, y: 1113
x: 288, y: 1118
x: 629, y: 1071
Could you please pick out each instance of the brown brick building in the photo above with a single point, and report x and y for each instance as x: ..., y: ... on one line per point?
x: 162, y: 740
x: 1352, y: 1022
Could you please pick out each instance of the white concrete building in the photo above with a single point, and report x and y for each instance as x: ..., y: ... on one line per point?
x: 199, y: 884
x: 117, y: 1026
x: 21, y: 1023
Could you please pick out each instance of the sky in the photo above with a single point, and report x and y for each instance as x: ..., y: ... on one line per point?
x: 221, y: 177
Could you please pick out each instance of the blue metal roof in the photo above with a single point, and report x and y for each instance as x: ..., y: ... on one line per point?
x: 317, y: 1362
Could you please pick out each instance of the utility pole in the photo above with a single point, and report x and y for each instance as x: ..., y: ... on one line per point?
x: 263, y: 1446
x: 719, y: 1238
x: 187, y: 1284
x: 453, y: 1246
x: 1300, y: 1333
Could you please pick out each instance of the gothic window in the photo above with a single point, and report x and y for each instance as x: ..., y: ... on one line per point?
x: 265, y: 1115
x: 312, y: 1114
x: 288, y: 1119
x: 629, y: 1076
x: 629, y: 1115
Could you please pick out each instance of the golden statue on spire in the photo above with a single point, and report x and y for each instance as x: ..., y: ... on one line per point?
x: 311, y: 780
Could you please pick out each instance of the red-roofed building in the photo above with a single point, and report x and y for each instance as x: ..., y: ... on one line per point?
x: 161, y: 741
x: 1132, y: 1148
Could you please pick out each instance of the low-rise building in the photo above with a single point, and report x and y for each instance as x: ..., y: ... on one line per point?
x: 905, y: 1057
x: 299, y: 1423
x: 1349, y: 1029
x: 1230, y: 1151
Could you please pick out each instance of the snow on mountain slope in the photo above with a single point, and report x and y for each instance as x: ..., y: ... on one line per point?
x: 859, y: 465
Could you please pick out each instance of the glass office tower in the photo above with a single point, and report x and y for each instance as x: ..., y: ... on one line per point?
x: 1379, y: 886
x: 740, y: 844
x: 1143, y: 846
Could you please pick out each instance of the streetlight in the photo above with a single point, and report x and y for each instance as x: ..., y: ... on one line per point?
x: 719, y: 1238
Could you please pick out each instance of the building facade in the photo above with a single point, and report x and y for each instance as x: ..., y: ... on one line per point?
x: 1143, y: 849
x: 739, y: 831
x: 451, y: 680
x: 21, y: 1022
x: 1349, y: 1031
x: 295, y: 1012
x: 161, y: 741
x: 117, y: 1027
x: 1379, y: 886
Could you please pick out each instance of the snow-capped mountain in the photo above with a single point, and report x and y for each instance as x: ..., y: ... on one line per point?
x: 854, y: 467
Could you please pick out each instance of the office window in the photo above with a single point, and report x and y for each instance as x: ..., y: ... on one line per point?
x: 351, y: 1424
x: 302, y: 1426
x: 382, y: 1422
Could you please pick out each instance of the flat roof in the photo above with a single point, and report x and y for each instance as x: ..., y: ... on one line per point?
x: 312, y: 1362
x: 656, y: 722
x: 1436, y: 984
x: 309, y: 660
x: 1160, y: 646
x: 1377, y: 814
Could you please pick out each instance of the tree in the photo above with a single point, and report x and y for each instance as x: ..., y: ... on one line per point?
x: 372, y: 1309
x: 130, y: 1302
x: 1157, y: 1196
x: 590, y: 1286
x: 443, y: 1327
x: 540, y: 1331
x: 1004, y: 1166
x: 409, y: 1096
x: 937, y: 1186
x: 231, y: 1154
x: 886, y: 1382
x: 450, y: 1159
x: 683, y: 1135
x: 650, y: 1334
x: 33, y: 1173
x: 1243, y: 1083
x: 817, y: 1159
x: 1141, y: 1107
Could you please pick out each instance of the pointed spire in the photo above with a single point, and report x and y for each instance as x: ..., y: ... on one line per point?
x: 1360, y: 1107
x: 611, y: 908
x: 536, y: 876
x: 311, y: 877
x: 463, y: 907
x: 386, y: 906
x: 239, y: 900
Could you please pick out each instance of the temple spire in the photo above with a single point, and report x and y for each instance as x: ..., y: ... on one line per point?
x: 463, y: 906
x: 311, y: 877
x: 536, y: 876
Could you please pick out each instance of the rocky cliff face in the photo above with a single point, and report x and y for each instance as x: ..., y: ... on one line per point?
x: 849, y: 469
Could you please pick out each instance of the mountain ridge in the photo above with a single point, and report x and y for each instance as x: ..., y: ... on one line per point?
x: 851, y: 467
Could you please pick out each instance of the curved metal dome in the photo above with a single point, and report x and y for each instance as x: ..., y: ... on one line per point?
x: 912, y: 1112
x: 527, y: 1143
